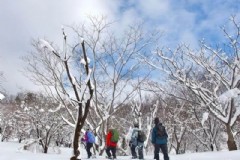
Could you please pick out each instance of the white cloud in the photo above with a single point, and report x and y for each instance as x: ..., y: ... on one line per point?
x: 182, y: 21
x: 154, y: 8
x: 27, y: 19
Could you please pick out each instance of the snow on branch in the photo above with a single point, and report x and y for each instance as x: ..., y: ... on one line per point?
x: 85, y: 84
x: 205, y: 117
x: 69, y: 123
x: 84, y: 62
x: 74, y: 81
x: 81, y: 40
x: 1, y: 96
x: 226, y: 96
x: 45, y: 44
x: 57, y: 109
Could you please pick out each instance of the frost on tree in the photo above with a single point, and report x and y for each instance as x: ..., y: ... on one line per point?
x: 208, y: 73
x: 65, y: 78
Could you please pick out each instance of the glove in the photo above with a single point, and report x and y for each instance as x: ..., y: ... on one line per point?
x: 130, y: 144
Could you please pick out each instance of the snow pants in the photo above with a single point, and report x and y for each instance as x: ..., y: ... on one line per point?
x: 109, y: 150
x: 164, y: 150
x: 139, y: 149
x: 88, y: 148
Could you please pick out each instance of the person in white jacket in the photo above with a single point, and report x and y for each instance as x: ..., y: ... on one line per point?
x: 135, y: 144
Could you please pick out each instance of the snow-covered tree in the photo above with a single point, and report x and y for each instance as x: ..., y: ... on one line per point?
x: 206, y: 128
x: 143, y: 113
x: 65, y: 79
x: 178, y: 117
x: 218, y: 88
x: 115, y: 71
x: 7, y: 121
x: 189, y: 117
x: 35, y: 114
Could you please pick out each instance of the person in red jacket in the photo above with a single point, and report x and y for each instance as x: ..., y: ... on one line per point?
x: 110, y: 146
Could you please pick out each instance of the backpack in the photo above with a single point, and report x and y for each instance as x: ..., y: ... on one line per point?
x: 91, y: 137
x: 141, y: 136
x: 160, y: 130
x: 115, y: 136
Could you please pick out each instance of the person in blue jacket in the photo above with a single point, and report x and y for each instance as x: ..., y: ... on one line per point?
x: 89, y: 139
x: 159, y: 139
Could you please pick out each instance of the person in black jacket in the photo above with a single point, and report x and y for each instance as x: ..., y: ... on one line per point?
x: 159, y: 139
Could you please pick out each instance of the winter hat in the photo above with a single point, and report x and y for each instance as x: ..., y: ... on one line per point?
x: 156, y: 121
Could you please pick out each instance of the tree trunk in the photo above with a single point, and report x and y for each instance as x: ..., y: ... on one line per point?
x: 45, y: 149
x: 231, y: 142
x: 178, y: 148
x: 76, y: 151
x: 19, y: 140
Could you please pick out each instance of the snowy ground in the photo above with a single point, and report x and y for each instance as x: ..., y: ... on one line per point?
x: 10, y: 151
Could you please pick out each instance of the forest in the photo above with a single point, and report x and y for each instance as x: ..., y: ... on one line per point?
x: 100, y: 79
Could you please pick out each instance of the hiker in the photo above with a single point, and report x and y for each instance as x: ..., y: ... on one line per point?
x: 89, y: 139
x: 111, y: 143
x: 136, y: 142
x: 159, y: 139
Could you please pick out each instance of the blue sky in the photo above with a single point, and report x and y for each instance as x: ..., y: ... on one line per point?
x: 183, y: 21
